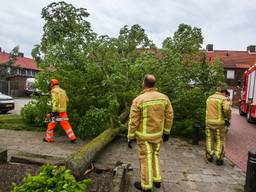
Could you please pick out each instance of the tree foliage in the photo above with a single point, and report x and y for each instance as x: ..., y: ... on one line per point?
x: 52, y: 179
x: 188, y: 78
x: 5, y: 68
x: 102, y: 74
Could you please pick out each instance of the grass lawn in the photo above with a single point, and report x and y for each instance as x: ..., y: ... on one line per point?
x: 15, y: 122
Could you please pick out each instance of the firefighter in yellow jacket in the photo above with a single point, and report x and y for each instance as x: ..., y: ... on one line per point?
x: 151, y: 118
x: 59, y: 113
x: 218, y: 115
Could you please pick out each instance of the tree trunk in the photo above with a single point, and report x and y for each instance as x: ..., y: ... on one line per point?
x: 79, y: 161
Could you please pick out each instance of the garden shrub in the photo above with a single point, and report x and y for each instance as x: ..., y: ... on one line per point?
x: 35, y: 112
x: 51, y: 179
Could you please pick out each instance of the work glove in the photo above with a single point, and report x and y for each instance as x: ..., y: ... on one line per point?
x: 165, y: 137
x: 227, y: 123
x: 130, y: 141
x: 54, y: 114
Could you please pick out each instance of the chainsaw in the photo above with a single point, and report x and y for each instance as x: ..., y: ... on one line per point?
x: 50, y: 119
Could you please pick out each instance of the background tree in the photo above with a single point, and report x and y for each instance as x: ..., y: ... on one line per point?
x: 188, y: 78
x: 96, y: 71
x: 5, y: 68
x: 102, y: 74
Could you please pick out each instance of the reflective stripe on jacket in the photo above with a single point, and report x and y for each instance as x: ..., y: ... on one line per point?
x: 151, y: 114
x: 218, y: 109
x: 59, y: 99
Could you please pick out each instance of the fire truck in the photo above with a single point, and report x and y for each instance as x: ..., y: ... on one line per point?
x: 247, y: 105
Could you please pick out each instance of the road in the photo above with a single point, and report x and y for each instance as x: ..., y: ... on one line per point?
x: 240, y: 139
x: 19, y: 103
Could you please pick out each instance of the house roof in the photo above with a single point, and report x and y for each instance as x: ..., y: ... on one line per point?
x: 232, y: 59
x: 22, y: 62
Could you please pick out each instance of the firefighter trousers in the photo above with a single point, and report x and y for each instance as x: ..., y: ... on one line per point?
x: 64, y: 124
x: 149, y: 155
x: 215, y: 141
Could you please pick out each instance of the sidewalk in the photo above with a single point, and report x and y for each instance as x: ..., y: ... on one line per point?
x: 183, y: 168
x: 32, y: 142
x: 183, y: 165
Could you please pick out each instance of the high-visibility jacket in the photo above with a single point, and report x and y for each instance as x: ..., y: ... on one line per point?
x: 59, y: 99
x: 151, y: 115
x: 218, y: 109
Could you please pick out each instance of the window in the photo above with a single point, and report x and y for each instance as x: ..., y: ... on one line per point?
x: 29, y: 72
x: 230, y: 74
x: 33, y: 73
x: 17, y: 71
x: 8, y: 70
x: 23, y: 72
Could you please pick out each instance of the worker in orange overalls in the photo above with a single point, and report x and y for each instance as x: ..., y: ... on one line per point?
x: 59, y: 113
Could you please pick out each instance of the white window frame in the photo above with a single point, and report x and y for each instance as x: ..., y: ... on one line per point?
x: 230, y: 74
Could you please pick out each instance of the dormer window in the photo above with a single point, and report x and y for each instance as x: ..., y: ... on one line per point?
x: 230, y: 74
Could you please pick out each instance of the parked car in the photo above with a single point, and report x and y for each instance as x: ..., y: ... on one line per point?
x: 6, y: 103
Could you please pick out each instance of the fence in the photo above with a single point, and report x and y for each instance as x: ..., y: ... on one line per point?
x: 4, y: 87
x: 12, y: 88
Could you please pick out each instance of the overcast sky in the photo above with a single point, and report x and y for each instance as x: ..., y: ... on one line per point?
x: 228, y: 24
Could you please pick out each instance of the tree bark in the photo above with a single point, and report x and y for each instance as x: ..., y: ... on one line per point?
x: 80, y: 161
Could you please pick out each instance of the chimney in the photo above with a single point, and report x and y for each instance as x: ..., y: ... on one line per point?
x: 251, y: 49
x: 209, y: 48
x: 21, y: 54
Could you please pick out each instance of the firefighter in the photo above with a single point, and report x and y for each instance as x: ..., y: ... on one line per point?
x: 59, y: 112
x: 151, y: 118
x: 218, y: 115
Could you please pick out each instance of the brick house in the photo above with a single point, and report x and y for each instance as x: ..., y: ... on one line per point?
x: 22, y: 69
x: 235, y: 63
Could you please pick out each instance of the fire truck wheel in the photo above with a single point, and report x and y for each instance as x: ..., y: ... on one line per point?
x: 248, y: 115
x: 240, y: 110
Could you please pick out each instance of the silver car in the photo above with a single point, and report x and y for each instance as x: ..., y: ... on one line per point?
x: 6, y: 103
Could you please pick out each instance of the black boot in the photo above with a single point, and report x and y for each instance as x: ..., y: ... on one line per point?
x: 157, y: 184
x: 73, y: 141
x: 209, y: 159
x: 137, y: 185
x: 45, y: 140
x: 219, y: 162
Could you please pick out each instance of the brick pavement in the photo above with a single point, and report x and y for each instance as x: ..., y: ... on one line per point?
x: 32, y: 142
x: 183, y: 168
x: 240, y: 139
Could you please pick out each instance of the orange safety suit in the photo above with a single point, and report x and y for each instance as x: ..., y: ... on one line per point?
x: 151, y: 115
x: 59, y: 104
x: 218, y: 109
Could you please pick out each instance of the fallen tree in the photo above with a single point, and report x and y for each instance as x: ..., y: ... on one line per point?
x: 80, y: 161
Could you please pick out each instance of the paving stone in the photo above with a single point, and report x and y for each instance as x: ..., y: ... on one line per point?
x: 239, y: 140
x: 183, y: 168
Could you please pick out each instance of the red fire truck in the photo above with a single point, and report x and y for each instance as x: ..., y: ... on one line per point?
x: 248, y: 95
